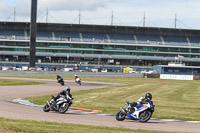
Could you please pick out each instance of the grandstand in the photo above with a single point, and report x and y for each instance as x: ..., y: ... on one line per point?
x: 94, y: 44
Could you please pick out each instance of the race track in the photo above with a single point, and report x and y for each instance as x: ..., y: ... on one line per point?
x: 9, y: 109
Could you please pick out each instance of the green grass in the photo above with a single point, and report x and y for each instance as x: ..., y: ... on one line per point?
x: 173, y: 99
x: 11, y: 82
x: 52, y: 127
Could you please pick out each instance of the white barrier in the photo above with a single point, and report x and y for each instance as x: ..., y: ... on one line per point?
x: 177, y: 77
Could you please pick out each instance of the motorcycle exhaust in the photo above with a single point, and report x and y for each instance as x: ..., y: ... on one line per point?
x: 123, y: 111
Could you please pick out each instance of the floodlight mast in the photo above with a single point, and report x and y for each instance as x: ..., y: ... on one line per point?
x: 33, y: 30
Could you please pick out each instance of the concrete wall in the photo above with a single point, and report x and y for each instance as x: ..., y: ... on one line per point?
x: 71, y: 74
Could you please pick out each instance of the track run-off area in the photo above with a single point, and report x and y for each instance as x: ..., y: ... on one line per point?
x: 13, y: 110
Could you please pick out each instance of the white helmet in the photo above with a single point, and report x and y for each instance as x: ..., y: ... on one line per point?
x: 67, y: 88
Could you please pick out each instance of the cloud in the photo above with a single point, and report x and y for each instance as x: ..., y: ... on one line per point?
x: 70, y: 5
x: 22, y: 8
x: 129, y: 12
x: 4, y: 5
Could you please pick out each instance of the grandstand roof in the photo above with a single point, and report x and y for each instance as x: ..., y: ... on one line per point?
x: 101, y: 28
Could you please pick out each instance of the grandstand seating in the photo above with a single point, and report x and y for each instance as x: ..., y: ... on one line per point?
x: 44, y: 35
x: 94, y: 37
x: 12, y: 34
x: 103, y: 38
x: 122, y: 38
x: 180, y: 41
x: 148, y: 39
x: 67, y: 36
x: 124, y: 44
x: 195, y: 41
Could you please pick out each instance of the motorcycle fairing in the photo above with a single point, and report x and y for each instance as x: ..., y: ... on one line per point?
x: 135, y: 115
x: 77, y: 79
x: 60, y: 100
x: 127, y: 103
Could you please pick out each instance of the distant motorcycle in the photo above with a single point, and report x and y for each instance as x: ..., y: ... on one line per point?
x: 142, y: 112
x: 61, y: 105
x: 78, y: 81
x: 60, y: 80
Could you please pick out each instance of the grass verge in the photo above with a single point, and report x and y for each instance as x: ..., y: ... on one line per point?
x: 11, y: 82
x: 173, y: 99
x: 52, y: 127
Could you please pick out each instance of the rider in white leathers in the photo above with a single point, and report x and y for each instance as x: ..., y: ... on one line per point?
x: 141, y: 100
x: 64, y: 93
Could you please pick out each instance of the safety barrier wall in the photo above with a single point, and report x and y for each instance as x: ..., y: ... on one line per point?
x: 71, y: 74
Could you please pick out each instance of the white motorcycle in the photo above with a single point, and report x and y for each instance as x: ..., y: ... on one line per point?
x: 141, y: 112
x: 61, y: 105
x: 78, y: 81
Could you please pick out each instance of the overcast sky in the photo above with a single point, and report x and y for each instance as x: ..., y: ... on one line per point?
x: 159, y: 13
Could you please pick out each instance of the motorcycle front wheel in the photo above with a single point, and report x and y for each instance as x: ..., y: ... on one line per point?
x: 46, y: 108
x: 120, y: 116
x: 63, y: 108
x: 145, y: 116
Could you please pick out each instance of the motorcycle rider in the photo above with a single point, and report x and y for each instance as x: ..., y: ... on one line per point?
x: 64, y: 93
x: 59, y: 78
x: 76, y: 77
x: 141, y: 100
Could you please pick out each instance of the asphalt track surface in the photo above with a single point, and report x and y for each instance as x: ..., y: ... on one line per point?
x: 9, y: 109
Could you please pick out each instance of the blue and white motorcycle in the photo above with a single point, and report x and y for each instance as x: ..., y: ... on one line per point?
x: 61, y: 104
x: 141, y: 112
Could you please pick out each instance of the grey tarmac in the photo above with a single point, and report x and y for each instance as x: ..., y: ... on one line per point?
x: 9, y: 109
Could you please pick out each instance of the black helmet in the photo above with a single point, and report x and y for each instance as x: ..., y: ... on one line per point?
x: 148, y: 96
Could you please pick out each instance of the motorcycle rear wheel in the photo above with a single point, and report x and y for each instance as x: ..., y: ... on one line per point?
x: 62, y: 83
x: 120, y: 116
x: 46, y: 108
x: 145, y: 116
x: 63, y: 108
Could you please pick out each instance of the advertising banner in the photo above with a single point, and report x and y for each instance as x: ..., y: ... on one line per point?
x: 177, y: 77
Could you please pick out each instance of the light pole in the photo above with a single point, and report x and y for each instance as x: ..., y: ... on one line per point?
x: 33, y: 30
